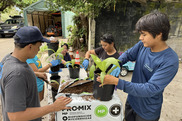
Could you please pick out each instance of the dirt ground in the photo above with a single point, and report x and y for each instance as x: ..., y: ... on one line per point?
x: 171, y: 110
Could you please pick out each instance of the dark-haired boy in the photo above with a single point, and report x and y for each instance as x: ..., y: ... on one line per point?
x: 156, y: 65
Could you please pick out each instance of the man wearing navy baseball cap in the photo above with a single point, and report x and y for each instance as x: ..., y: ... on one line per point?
x: 29, y: 34
x: 20, y: 100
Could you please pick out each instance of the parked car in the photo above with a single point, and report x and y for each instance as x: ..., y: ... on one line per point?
x: 129, y: 66
x: 10, y: 26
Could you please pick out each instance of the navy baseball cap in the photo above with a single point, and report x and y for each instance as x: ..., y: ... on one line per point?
x: 29, y: 34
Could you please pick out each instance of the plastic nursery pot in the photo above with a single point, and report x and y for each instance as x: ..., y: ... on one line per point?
x: 102, y: 93
x: 74, y: 72
x: 55, y: 68
x: 53, y: 46
x: 54, y: 92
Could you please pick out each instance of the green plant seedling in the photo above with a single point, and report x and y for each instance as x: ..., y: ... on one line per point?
x: 72, y: 63
x: 56, y: 55
x: 103, y: 65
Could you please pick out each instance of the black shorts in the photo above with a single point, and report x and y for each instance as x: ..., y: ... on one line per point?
x: 130, y: 114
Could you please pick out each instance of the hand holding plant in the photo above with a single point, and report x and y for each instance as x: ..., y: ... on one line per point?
x: 107, y: 80
x: 55, y: 62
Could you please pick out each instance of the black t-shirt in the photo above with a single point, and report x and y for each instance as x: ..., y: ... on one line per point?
x: 66, y: 58
x: 101, y: 53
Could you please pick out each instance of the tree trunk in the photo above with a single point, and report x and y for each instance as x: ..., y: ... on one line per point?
x: 0, y: 17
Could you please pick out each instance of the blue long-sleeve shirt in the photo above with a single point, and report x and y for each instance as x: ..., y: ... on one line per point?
x: 153, y: 72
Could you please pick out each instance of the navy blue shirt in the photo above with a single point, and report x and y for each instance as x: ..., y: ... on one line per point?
x: 66, y: 58
x: 153, y: 72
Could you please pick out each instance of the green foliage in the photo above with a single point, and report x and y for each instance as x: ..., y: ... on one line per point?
x: 54, y: 56
x: 72, y: 63
x: 24, y: 3
x: 89, y: 8
x: 73, y: 33
x: 9, y: 12
x: 103, y: 65
x: 82, y: 32
x: 19, y: 3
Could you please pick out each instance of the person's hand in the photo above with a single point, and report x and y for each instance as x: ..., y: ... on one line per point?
x: 55, y: 62
x: 108, y: 79
x: 85, y: 63
x: 59, y: 58
x: 53, y: 41
x: 51, y: 72
x: 60, y: 103
x: 41, y: 75
x: 116, y: 72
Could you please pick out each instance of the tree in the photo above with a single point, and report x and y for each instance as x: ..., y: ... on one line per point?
x: 10, y: 3
x: 9, y: 12
x: 83, y: 10
x: 90, y: 8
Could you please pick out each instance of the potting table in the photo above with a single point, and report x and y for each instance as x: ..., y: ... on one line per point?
x: 64, y: 76
x: 88, y: 109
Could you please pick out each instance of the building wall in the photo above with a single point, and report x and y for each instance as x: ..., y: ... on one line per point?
x: 66, y: 21
x: 121, y: 23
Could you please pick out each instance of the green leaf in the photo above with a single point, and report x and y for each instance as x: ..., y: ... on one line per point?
x: 96, y: 59
x: 73, y: 63
x: 59, y: 56
x: 59, y: 50
x: 111, y: 69
x: 51, y: 57
x: 98, y: 62
x: 63, y: 81
x: 91, y: 72
x: 112, y: 60
x: 54, y: 81
x: 102, y: 77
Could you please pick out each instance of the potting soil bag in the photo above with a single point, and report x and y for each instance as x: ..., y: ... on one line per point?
x: 89, y: 109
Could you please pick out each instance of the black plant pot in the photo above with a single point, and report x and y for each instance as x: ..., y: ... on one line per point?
x: 74, y: 72
x: 55, y: 68
x: 54, y: 91
x: 102, y: 93
x: 53, y: 46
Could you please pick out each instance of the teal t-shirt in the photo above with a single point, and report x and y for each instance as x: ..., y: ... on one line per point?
x: 36, y: 61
